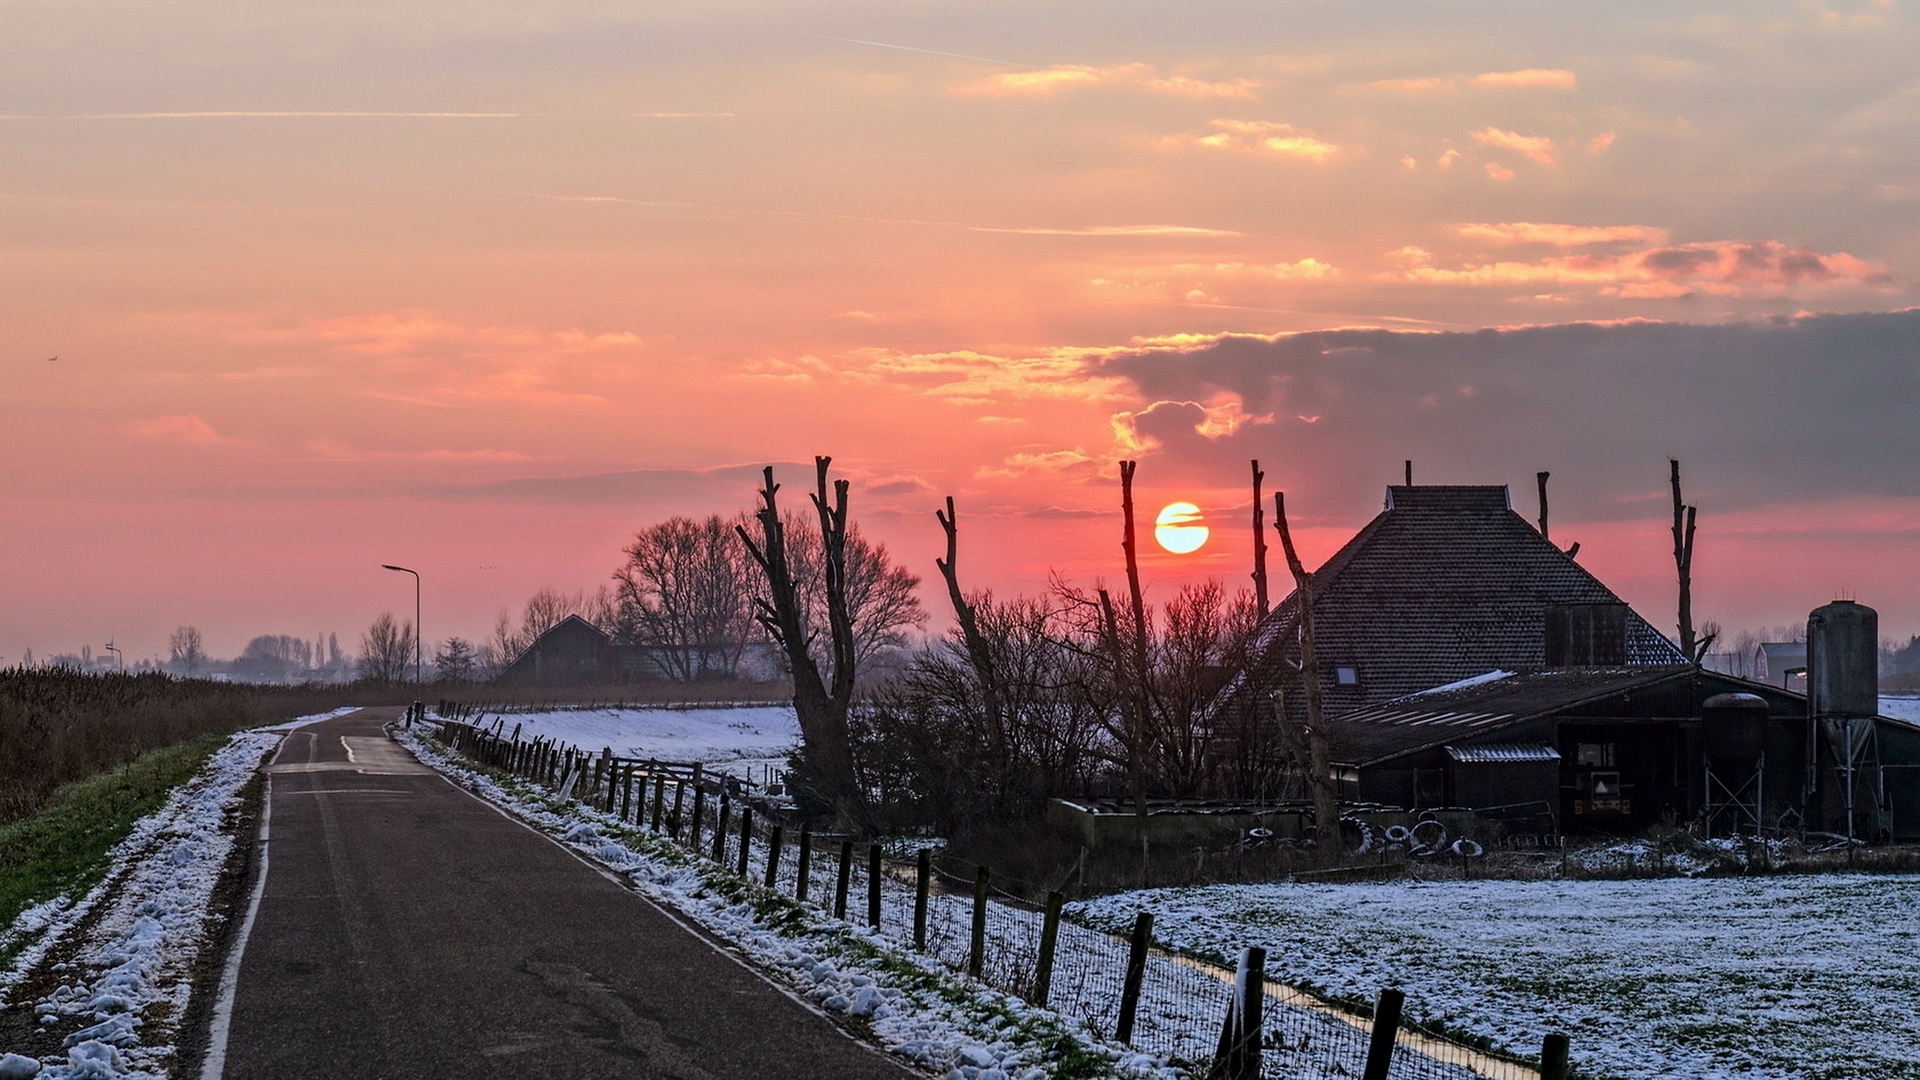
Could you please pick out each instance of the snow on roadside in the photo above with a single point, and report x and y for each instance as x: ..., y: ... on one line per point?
x: 913, y: 1005
x: 137, y: 959
x: 737, y: 740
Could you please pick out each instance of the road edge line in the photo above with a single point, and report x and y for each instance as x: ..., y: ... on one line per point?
x: 215, y: 1063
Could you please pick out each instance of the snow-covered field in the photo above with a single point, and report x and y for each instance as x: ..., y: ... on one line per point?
x: 1778, y: 977
x: 126, y: 987
x: 741, y: 741
x: 1900, y: 706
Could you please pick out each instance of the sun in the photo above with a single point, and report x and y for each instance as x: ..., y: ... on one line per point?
x: 1180, y: 528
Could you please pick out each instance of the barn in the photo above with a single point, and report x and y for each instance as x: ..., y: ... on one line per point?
x: 1467, y: 662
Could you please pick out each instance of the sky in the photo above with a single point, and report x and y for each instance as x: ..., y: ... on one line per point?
x: 482, y: 288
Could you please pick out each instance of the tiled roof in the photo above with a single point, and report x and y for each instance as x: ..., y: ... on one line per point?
x: 1445, y: 584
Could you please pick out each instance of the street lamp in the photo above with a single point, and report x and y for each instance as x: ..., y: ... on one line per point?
x: 119, y: 661
x: 419, y: 641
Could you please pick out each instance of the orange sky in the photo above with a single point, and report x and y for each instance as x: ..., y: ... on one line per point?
x: 333, y: 288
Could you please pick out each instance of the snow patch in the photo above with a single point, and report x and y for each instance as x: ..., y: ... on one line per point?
x: 140, y: 952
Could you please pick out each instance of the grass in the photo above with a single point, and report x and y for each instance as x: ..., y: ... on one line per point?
x: 62, y: 849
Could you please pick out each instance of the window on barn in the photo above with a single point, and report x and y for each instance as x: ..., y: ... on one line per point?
x: 1346, y: 675
x: 1594, y: 756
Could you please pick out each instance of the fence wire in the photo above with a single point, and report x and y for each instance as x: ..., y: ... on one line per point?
x: 1182, y: 1002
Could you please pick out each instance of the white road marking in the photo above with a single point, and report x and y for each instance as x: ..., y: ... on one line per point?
x: 216, y: 1060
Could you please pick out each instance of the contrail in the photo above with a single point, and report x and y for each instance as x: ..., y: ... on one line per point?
x: 1019, y: 230
x: 911, y: 48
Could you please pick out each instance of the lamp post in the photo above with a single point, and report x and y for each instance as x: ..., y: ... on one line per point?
x: 419, y: 642
x: 119, y: 661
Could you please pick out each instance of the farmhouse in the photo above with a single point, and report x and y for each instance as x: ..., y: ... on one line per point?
x: 574, y: 652
x: 1465, y: 661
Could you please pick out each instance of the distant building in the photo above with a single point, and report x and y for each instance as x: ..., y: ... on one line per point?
x: 574, y: 652
x: 1781, y: 663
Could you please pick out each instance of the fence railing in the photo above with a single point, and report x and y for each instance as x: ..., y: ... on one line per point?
x: 1229, y: 1025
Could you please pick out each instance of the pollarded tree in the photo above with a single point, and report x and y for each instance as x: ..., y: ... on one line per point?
x: 685, y: 593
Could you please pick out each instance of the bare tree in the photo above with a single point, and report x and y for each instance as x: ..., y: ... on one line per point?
x: 455, y: 661
x: 386, y: 650
x: 1683, y: 524
x: 274, y: 658
x: 685, y: 592
x: 826, y: 757
x: 1259, y: 543
x: 187, y: 655
x: 1326, y: 805
x: 882, y: 598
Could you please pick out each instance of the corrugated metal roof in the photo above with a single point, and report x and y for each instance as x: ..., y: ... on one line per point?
x: 1441, y: 716
x: 1502, y: 753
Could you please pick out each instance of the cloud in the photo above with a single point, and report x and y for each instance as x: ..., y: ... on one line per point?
x: 1550, y: 78
x: 1059, y: 463
x: 1760, y: 412
x: 1410, y: 86
x: 726, y: 484
x: 1046, y: 82
x: 1598, y: 144
x: 1147, y: 429
x: 975, y: 379
x: 1562, y: 236
x: 1540, y: 151
x: 183, y: 429
x: 898, y: 485
x: 1498, y: 173
x: 1720, y: 268
x: 1259, y: 137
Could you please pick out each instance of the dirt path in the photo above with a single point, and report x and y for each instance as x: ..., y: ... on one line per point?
x: 407, y: 929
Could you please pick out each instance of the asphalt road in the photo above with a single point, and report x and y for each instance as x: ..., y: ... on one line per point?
x: 406, y: 929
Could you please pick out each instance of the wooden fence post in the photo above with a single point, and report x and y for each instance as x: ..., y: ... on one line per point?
x: 673, y: 816
x: 1553, y: 1057
x: 1049, y: 938
x: 977, y: 944
x: 1136, y: 973
x: 1238, y: 1055
x: 840, y: 886
x: 922, y: 881
x: 1386, y: 1027
x: 699, y: 810
x: 659, y: 800
x: 773, y: 855
x: 746, y: 837
x: 805, y: 869
x: 874, y: 870
x: 626, y: 796
x: 613, y: 787
x: 720, y: 832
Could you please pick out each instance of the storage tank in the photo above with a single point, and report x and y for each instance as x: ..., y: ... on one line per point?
x: 1735, y: 731
x: 1843, y: 660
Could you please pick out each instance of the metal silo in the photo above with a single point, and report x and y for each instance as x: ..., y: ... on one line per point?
x: 1843, y: 694
x: 1843, y: 660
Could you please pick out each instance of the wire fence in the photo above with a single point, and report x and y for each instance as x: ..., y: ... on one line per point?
x: 1118, y: 988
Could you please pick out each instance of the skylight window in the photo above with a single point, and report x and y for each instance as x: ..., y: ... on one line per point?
x: 1346, y: 675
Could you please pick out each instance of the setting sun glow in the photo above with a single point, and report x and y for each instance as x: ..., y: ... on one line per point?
x: 1180, y: 528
